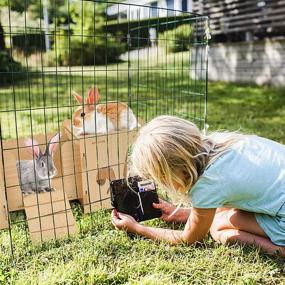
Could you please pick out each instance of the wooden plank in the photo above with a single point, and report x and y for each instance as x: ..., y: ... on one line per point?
x: 4, y: 224
x: 235, y: 16
x: 47, y: 208
x: 67, y: 160
x: 250, y: 21
x: 97, y: 192
x: 51, y: 221
x: 14, y: 150
x: 49, y: 216
x: 242, y: 29
x: 69, y: 184
x: 238, y: 17
x: 43, y: 198
x: 51, y: 234
x: 96, y: 189
x: 120, y: 171
x: 95, y: 152
x: 239, y: 11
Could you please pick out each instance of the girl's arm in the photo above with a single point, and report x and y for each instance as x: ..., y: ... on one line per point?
x: 182, y: 215
x: 196, y: 228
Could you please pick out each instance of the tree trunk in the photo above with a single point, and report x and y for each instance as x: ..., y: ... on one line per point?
x: 2, y: 40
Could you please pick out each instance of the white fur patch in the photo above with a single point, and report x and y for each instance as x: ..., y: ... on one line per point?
x: 127, y: 120
x: 127, y: 123
x: 102, y: 122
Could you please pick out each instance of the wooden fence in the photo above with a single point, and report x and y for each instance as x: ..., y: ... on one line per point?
x: 238, y: 17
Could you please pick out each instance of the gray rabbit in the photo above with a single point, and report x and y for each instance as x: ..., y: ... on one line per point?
x: 35, y: 175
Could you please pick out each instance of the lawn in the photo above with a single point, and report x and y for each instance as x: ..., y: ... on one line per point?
x: 102, y: 255
x: 249, y: 109
x: 152, y: 86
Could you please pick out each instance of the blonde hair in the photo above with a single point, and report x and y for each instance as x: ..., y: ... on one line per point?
x: 173, y: 151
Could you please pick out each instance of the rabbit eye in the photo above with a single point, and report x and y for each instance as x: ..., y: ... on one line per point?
x: 82, y: 114
x: 43, y: 164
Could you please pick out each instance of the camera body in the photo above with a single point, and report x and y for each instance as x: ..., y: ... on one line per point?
x: 135, y: 198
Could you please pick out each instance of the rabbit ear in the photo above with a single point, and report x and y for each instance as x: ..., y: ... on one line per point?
x: 33, y: 147
x: 77, y: 97
x: 93, y: 96
x: 51, y: 146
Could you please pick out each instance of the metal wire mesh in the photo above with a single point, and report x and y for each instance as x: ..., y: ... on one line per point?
x: 153, y: 59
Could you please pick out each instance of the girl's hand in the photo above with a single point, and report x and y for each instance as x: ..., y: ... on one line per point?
x: 170, y: 213
x: 124, y: 222
x: 167, y: 209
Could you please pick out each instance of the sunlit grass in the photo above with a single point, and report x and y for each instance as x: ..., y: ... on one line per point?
x: 250, y: 109
x: 44, y: 100
x: 101, y: 255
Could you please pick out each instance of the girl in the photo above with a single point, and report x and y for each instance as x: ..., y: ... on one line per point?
x: 235, y: 184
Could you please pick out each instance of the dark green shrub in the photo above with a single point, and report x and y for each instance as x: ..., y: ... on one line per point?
x: 104, y: 49
x: 10, y: 70
x: 177, y: 39
x: 29, y: 43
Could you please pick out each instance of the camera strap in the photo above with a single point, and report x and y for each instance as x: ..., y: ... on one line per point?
x: 140, y: 200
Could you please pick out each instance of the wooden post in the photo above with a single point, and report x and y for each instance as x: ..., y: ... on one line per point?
x: 4, y: 224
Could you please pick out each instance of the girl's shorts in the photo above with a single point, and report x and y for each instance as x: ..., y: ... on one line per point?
x: 273, y: 226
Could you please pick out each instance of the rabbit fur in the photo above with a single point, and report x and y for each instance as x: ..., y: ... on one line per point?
x: 35, y: 175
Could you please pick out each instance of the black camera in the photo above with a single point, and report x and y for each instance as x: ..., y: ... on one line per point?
x: 135, y: 198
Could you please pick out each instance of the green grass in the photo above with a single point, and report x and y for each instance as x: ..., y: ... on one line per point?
x: 102, y: 255
x: 40, y: 103
x: 250, y: 109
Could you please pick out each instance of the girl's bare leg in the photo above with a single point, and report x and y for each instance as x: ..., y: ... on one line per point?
x: 232, y: 225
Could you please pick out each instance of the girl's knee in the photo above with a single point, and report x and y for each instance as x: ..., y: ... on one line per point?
x: 222, y: 221
x: 218, y: 225
x: 214, y: 233
x: 236, y: 217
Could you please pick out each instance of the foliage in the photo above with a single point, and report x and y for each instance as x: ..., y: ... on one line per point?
x: 56, y: 8
x: 177, y: 39
x: 29, y: 43
x: 10, y: 70
x: 103, y: 49
x: 58, y: 13
x: 17, y: 5
x: 87, y: 42
x: 81, y: 36
x: 2, y: 41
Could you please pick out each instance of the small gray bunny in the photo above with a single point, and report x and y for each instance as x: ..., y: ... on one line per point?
x: 35, y: 175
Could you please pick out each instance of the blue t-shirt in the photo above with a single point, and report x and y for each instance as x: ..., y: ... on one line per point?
x: 249, y: 176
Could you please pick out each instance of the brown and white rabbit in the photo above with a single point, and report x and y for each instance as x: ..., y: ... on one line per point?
x: 91, y: 117
x: 35, y: 174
